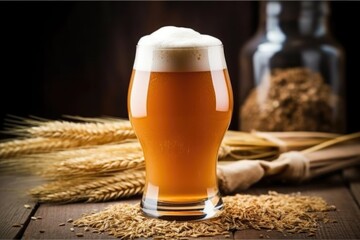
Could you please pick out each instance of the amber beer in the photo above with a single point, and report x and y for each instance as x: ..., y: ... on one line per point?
x: 180, y: 118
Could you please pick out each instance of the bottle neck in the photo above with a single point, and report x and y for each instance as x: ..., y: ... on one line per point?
x: 281, y: 19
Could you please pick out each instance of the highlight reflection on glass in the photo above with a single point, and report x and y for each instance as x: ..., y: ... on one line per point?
x: 180, y: 105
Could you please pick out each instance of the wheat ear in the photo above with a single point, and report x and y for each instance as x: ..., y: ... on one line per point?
x: 117, y: 148
x: 53, y: 188
x: 95, y: 164
x: 40, y: 164
x: 94, y: 131
x: 34, y: 145
x: 132, y: 185
x: 86, y: 188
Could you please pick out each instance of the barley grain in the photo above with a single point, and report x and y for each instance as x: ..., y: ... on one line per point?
x: 281, y: 212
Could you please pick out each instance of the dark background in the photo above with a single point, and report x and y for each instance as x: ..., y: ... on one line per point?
x: 76, y: 57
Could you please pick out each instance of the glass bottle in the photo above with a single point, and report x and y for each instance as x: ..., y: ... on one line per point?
x: 292, y: 71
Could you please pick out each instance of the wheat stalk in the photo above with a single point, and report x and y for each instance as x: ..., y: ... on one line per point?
x: 95, y: 164
x: 100, y: 159
x: 20, y: 147
x: 39, y: 163
x: 57, y: 135
x: 133, y: 185
x: 95, y: 160
x: 333, y: 141
x: 94, y: 129
x: 35, y: 145
x: 44, y: 143
x: 85, y: 151
x: 87, y: 188
x: 93, y: 132
x: 61, y: 190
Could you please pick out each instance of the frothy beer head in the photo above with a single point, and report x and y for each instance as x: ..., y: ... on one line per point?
x: 178, y: 49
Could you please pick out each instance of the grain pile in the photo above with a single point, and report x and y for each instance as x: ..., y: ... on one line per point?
x: 287, y: 213
x: 293, y: 99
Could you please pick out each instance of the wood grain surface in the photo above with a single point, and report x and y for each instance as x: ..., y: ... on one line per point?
x: 335, y: 189
x: 13, y: 198
x: 352, y: 177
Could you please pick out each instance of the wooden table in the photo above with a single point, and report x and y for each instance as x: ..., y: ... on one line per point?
x: 341, y: 190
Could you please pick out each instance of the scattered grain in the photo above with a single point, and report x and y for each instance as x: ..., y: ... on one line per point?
x: 39, y: 217
x: 70, y: 220
x: 27, y: 206
x: 41, y: 231
x: 79, y: 234
x: 274, y: 211
x: 72, y: 229
x: 61, y: 224
x: 33, y: 218
x: 17, y: 225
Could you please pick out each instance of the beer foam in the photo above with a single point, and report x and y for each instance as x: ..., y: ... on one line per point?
x: 179, y: 49
x: 178, y: 37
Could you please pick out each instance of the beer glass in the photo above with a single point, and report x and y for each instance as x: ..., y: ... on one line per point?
x: 180, y: 104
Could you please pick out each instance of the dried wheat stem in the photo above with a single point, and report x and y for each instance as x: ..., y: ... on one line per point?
x: 35, y: 145
x: 58, y: 186
x: 117, y: 191
x: 103, y: 132
x: 332, y: 142
x: 298, y: 134
x: 133, y: 185
x: 108, y: 155
x: 83, y: 151
x: 127, y: 146
x: 87, y: 188
x: 95, y: 164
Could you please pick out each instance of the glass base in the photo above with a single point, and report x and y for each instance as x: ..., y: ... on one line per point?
x: 200, y: 210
